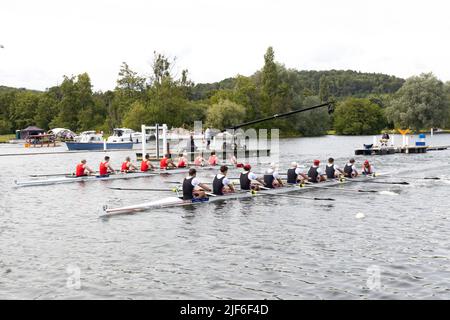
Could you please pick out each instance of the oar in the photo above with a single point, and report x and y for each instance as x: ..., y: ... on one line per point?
x: 142, y: 189
x: 307, y: 198
x: 343, y: 190
x: 425, y: 178
x: 50, y: 175
x: 388, y: 182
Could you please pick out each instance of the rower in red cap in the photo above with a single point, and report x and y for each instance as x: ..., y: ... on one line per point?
x: 249, y: 180
x: 367, y: 169
x: 315, y: 174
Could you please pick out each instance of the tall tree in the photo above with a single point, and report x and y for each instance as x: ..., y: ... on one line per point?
x: 420, y: 103
x: 358, y: 116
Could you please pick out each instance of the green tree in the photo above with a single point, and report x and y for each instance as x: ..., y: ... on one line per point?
x: 420, y: 103
x: 324, y: 89
x: 358, y: 116
x: 224, y: 114
x: 312, y: 123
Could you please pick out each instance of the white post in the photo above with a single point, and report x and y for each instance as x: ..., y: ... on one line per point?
x: 104, y: 144
x: 164, y: 128
x: 143, y: 141
x: 374, y: 141
x: 432, y: 131
x: 157, y: 141
x: 392, y: 140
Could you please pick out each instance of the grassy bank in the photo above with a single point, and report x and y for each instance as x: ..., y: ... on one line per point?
x: 6, y: 137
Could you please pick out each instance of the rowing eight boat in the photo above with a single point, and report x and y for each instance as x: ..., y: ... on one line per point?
x: 170, y: 202
x: 118, y: 176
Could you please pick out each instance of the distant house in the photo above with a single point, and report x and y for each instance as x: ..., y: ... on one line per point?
x: 30, y: 131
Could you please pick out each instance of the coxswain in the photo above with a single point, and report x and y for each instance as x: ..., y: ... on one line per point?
x: 235, y: 163
x: 367, y: 169
x: 199, y: 161
x: 213, y: 160
x: 249, y: 180
x: 146, y: 165
x: 82, y: 169
x: 315, y: 174
x: 221, y: 184
x: 182, y: 161
x: 166, y: 162
x: 105, y: 168
x: 272, y: 178
x: 193, y: 188
x: 332, y: 170
x: 295, y: 175
x: 350, y: 169
x: 127, y: 166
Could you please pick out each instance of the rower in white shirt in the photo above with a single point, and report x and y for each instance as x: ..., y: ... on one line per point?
x: 350, y: 169
x: 272, y: 178
x: 221, y: 184
x: 295, y: 175
x: 249, y: 180
x: 193, y: 188
x: 315, y: 174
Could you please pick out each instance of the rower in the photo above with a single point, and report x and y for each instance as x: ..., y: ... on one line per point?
x: 272, y: 178
x: 166, y: 162
x: 293, y: 174
x: 199, y: 161
x: 82, y: 169
x: 350, y: 169
x: 182, y: 161
x: 105, y: 168
x: 127, y: 166
x: 332, y: 170
x: 367, y: 169
x: 146, y: 165
x: 235, y: 163
x: 213, y: 160
x: 315, y: 174
x: 249, y: 180
x: 192, y: 188
x: 221, y: 184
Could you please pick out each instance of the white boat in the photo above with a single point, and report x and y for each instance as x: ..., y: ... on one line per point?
x: 127, y: 135
x: 173, y: 201
x: 118, y: 176
x: 92, y: 140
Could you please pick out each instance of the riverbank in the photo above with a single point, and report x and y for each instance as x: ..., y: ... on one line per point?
x: 4, y: 138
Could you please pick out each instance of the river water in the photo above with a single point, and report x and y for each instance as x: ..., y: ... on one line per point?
x: 53, y: 245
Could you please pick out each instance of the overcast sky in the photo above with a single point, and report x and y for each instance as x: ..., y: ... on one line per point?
x: 46, y: 39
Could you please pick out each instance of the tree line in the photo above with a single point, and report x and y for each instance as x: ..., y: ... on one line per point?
x: 365, y: 102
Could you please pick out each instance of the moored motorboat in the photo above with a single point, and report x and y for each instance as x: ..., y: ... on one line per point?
x: 91, y: 140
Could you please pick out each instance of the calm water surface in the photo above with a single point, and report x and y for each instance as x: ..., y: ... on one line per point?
x: 260, y: 248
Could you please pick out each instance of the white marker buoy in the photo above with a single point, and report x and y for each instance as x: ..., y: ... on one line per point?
x: 360, y: 215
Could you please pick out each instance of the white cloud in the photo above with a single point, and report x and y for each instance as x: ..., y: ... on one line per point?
x: 45, y: 40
